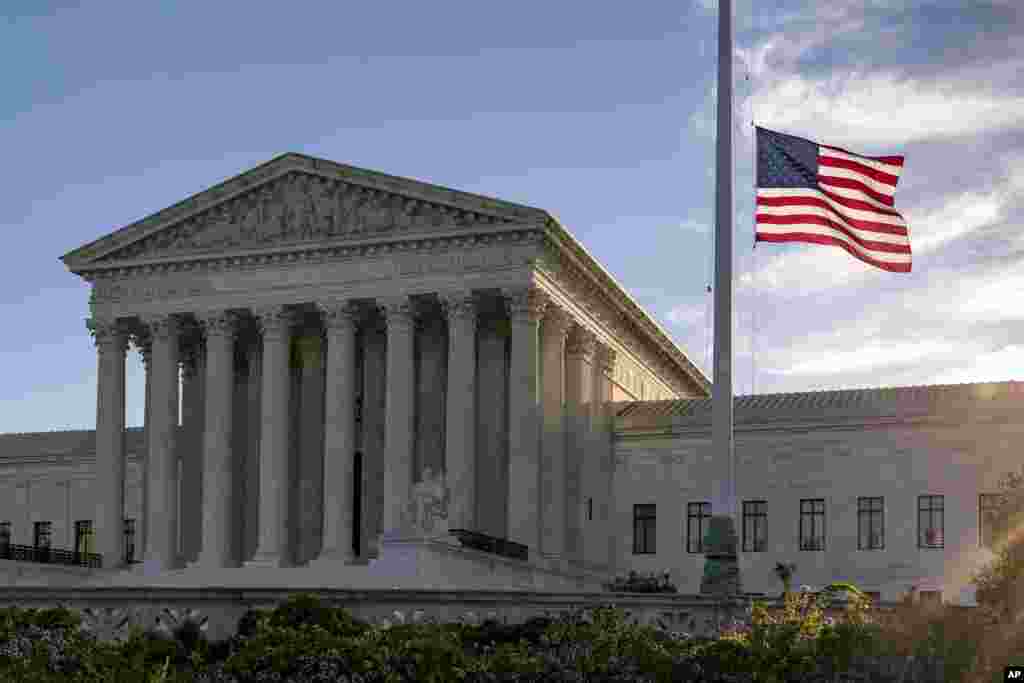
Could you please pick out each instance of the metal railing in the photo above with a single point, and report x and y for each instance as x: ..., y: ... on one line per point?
x: 44, y: 555
x: 490, y: 544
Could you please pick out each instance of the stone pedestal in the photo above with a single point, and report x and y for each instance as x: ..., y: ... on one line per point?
x: 721, y: 564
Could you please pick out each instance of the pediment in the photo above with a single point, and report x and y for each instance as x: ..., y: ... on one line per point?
x: 296, y: 203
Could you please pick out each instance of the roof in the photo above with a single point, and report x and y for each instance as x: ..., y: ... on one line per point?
x: 74, y: 445
x: 883, y: 401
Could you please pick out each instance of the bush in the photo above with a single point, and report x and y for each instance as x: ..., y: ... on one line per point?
x: 637, y: 583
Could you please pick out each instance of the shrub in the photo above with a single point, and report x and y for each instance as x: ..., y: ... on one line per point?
x: 637, y: 583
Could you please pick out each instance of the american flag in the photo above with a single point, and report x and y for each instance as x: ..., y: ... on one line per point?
x: 808, y: 192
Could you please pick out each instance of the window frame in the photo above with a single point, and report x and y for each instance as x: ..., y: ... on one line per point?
x: 697, y: 511
x: 812, y: 514
x: 645, y: 528
x: 922, y: 531
x: 759, y: 519
x: 866, y: 512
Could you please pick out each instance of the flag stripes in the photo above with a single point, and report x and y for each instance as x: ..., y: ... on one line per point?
x: 820, y: 194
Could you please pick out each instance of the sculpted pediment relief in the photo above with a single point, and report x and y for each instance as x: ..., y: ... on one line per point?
x: 300, y: 207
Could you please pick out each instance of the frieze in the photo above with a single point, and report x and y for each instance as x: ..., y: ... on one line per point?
x: 300, y: 207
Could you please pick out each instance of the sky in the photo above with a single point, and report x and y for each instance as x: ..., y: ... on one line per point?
x: 601, y: 113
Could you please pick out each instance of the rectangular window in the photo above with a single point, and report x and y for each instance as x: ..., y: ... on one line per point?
x: 697, y: 518
x: 84, y: 536
x: 988, y: 519
x: 41, y: 534
x: 931, y: 522
x: 590, y: 509
x: 812, y: 524
x: 755, y: 519
x: 870, y: 523
x: 644, y: 526
x: 129, y: 540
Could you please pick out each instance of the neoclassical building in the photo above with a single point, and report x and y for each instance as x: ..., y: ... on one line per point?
x: 356, y: 379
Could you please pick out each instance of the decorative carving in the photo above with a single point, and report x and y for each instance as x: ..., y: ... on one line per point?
x: 340, y: 315
x: 526, y: 304
x: 400, y: 314
x: 274, y: 321
x: 557, y: 321
x: 218, y: 323
x: 582, y: 342
x: 163, y: 327
x: 459, y: 306
x: 108, y: 335
x: 428, y: 507
x: 299, y: 207
x: 606, y: 358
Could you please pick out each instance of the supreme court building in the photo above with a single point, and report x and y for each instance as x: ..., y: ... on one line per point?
x: 355, y: 379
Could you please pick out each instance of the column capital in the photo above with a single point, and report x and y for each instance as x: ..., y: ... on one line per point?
x: 340, y: 315
x: 274, y: 321
x: 582, y: 342
x: 162, y: 327
x: 107, y: 333
x: 142, y: 340
x: 557, y: 320
x: 526, y: 304
x: 605, y: 356
x: 459, y: 305
x: 399, y: 313
x: 218, y: 324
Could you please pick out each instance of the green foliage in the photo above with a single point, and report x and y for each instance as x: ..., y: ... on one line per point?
x: 1000, y: 585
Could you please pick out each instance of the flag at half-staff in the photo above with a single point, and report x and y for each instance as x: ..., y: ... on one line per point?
x: 809, y: 192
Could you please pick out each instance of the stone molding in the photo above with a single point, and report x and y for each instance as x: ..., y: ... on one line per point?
x: 526, y: 304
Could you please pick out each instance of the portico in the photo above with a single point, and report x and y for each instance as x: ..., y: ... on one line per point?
x: 337, y: 332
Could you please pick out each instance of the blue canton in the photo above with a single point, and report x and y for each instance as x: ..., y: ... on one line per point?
x: 786, y: 161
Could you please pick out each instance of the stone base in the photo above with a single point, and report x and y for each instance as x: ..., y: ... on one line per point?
x: 438, y: 563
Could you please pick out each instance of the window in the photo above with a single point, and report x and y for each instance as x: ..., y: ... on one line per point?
x: 931, y: 523
x: 644, y: 525
x: 755, y: 519
x: 590, y: 509
x: 988, y: 519
x: 812, y: 524
x: 41, y: 535
x: 697, y: 518
x: 870, y: 523
x: 5, y: 538
x: 84, y: 536
x: 129, y: 540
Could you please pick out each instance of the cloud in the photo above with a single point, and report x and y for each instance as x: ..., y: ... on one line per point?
x: 1000, y: 365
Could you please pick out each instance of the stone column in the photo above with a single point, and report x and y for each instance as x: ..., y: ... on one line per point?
x: 144, y: 344
x: 398, y: 417
x: 553, y: 332
x: 579, y: 400
x: 274, y: 486
x: 460, y: 416
x: 111, y: 344
x: 339, y: 431
x: 526, y: 306
x: 218, y: 475
x: 604, y: 366
x: 189, y: 446
x: 162, y: 534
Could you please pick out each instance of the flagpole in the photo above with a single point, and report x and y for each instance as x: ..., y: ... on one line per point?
x: 721, y: 567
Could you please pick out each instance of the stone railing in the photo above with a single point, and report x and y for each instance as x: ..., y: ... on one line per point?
x: 45, y: 555
x: 110, y: 611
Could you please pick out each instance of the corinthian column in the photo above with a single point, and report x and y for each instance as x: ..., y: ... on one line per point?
x: 218, y: 511
x: 398, y: 410
x: 111, y: 344
x: 525, y: 306
x: 162, y: 550
x: 144, y: 344
x: 552, y: 463
x: 604, y: 450
x: 339, y: 431
x: 275, y: 485
x: 579, y: 377
x: 460, y: 415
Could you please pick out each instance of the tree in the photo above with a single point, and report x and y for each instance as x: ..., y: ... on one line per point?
x: 1000, y: 585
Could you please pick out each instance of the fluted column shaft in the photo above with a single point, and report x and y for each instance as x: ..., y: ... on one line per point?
x: 460, y: 415
x: 162, y: 553
x: 553, y: 520
x: 579, y: 397
x: 526, y: 306
x: 273, y: 549
x: 339, y: 431
x: 399, y: 405
x: 218, y: 512
x: 604, y: 366
x: 190, y: 448
x: 145, y: 346
x: 111, y: 344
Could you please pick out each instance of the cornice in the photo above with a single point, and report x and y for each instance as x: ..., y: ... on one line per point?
x: 568, y: 261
